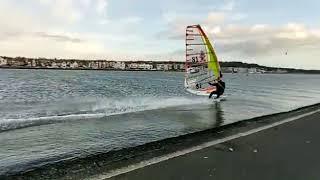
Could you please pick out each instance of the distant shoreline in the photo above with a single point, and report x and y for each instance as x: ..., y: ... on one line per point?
x: 112, y: 65
x: 88, y: 69
x: 136, y: 70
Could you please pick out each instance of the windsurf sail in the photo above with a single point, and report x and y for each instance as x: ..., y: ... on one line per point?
x: 202, y: 65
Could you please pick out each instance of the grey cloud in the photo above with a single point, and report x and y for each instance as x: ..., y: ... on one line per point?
x: 253, y: 41
x: 44, y: 35
x: 263, y: 46
x: 62, y: 38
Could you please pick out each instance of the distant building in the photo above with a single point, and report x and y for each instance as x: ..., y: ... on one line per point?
x: 119, y: 65
x: 166, y: 67
x: 145, y: 66
x: 241, y: 70
x: 160, y: 66
x: 110, y: 64
x: 74, y: 65
x: 103, y: 65
x: 182, y: 66
x: 133, y: 66
x: 226, y: 69
x: 252, y: 70
x: 170, y: 66
x: 94, y: 65
x: 63, y: 65
x: 33, y: 63
x: 177, y: 66
x: 281, y: 71
x: 3, y: 62
x: 261, y: 71
x: 17, y: 62
x: 54, y: 65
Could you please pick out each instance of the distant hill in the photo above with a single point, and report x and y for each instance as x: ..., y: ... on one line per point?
x: 266, y: 68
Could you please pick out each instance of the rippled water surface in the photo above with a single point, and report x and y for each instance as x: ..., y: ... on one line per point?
x: 49, y: 115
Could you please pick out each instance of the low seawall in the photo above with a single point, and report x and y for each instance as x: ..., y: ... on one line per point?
x: 105, y: 162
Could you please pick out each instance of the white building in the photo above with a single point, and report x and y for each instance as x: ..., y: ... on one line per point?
x: 176, y: 66
x: 241, y: 70
x: 261, y: 71
x: 119, y: 65
x: 100, y: 65
x: 252, y: 70
x: 3, y: 62
x: 64, y: 65
x: 74, y: 65
x: 110, y: 64
x: 281, y: 71
x: 93, y: 65
x: 167, y: 67
x: 103, y: 65
x: 145, y: 66
x: 182, y: 66
x: 28, y: 64
x: 54, y: 65
x: 34, y: 63
x: 160, y: 66
x: 133, y: 66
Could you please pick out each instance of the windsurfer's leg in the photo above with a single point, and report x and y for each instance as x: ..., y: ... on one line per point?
x: 219, y: 93
x: 212, y: 93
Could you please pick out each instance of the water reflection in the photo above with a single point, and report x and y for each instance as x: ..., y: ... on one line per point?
x: 218, y: 114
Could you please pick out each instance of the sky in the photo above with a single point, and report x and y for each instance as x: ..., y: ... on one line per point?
x: 259, y: 31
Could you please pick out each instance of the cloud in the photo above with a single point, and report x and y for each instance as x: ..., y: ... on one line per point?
x: 72, y: 11
x: 101, y: 6
x: 63, y: 10
x: 238, y: 16
x: 175, y: 25
x: 51, y: 47
x: 29, y: 34
x: 57, y: 37
x: 228, y: 6
x: 260, y: 40
x: 104, y: 21
x: 216, y: 18
x: 247, y: 40
x: 39, y: 35
x: 85, y: 3
x: 133, y: 19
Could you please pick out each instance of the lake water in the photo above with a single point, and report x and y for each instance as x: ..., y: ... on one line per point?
x: 48, y: 116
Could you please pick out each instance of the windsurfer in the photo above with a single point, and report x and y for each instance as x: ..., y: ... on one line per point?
x: 219, y: 87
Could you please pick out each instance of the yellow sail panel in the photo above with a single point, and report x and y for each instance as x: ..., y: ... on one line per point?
x: 213, y: 63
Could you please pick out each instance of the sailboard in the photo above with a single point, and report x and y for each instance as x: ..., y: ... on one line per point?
x: 202, y: 65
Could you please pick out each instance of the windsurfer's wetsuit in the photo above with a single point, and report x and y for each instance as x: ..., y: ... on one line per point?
x: 220, y: 86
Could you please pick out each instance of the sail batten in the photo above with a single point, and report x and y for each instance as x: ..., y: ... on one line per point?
x: 202, y: 64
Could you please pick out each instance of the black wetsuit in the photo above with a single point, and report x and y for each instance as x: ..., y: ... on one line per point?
x: 220, y: 86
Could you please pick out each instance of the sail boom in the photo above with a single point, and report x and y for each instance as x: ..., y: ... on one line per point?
x: 199, y: 44
x: 196, y: 54
x: 193, y: 34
